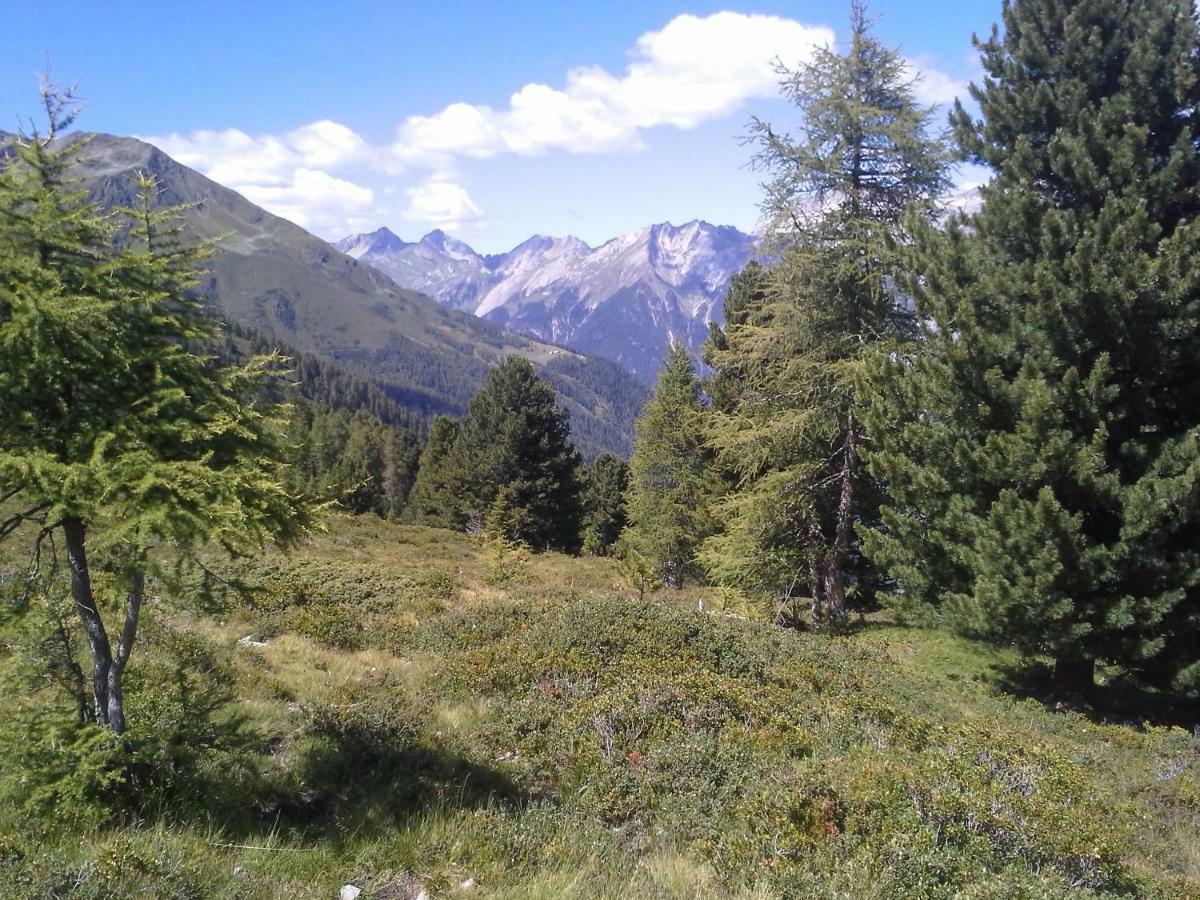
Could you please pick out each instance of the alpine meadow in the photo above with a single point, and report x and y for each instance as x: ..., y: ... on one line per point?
x: 848, y: 549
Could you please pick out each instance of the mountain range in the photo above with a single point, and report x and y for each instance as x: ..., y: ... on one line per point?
x: 283, y: 283
x: 625, y: 300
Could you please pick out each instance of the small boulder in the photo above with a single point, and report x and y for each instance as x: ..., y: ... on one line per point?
x: 349, y: 892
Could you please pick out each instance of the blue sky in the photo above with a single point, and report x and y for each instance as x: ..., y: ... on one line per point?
x: 493, y: 121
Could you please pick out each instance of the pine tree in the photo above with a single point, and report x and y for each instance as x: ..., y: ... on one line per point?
x: 604, y: 485
x: 1042, y: 445
x: 438, y: 489
x: 786, y: 422
x: 748, y: 292
x: 514, y: 439
x: 117, y: 430
x: 666, y: 499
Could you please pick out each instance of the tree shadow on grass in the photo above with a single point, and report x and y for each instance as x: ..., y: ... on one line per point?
x: 1119, y: 701
x: 382, y: 787
x: 338, y: 785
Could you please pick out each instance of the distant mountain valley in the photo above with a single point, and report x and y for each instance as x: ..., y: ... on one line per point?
x: 625, y: 300
x: 297, y: 291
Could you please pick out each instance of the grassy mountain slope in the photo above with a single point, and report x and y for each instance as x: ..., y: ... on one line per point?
x: 287, y: 284
x: 394, y: 708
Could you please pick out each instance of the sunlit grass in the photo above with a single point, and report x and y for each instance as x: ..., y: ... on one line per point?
x: 545, y: 740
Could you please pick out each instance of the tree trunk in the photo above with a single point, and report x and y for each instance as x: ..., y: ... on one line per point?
x: 833, y: 567
x: 834, y: 585
x: 74, y: 533
x: 116, y: 674
x: 1074, y: 674
x: 671, y: 575
x: 817, y: 585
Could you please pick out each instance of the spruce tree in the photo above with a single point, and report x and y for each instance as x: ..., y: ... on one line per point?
x: 666, y: 499
x: 438, y: 488
x: 786, y: 421
x: 604, y: 485
x: 1042, y: 445
x: 515, y: 441
x: 118, y: 430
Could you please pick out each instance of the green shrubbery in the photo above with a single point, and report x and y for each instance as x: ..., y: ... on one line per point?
x: 549, y: 742
x: 343, y: 606
x: 783, y: 757
x: 64, y: 774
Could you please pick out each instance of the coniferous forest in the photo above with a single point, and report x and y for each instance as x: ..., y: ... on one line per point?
x: 897, y: 593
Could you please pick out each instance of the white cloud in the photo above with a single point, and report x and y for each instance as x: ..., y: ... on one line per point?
x: 933, y: 86
x: 443, y: 203
x: 236, y: 159
x: 693, y: 70
x: 313, y: 199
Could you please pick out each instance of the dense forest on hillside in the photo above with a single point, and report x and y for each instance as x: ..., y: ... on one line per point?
x: 296, y: 291
x: 896, y: 595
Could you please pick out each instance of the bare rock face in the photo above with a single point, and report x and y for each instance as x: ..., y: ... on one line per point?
x: 625, y: 300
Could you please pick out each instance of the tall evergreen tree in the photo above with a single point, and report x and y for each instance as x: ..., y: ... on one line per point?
x: 786, y: 420
x: 666, y: 499
x: 436, y: 495
x: 604, y: 485
x: 1042, y: 446
x: 117, y: 430
x: 515, y: 440
x: 748, y: 291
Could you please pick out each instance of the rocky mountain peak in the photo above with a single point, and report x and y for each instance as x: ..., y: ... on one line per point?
x: 626, y: 299
x: 381, y: 240
x: 441, y: 242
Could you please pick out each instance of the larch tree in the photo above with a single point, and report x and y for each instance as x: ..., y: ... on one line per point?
x: 118, y: 431
x: 1042, y: 445
x: 786, y: 423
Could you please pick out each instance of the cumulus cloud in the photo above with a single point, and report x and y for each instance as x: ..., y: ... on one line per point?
x: 693, y: 70
x: 236, y: 159
x: 441, y: 203
x: 313, y: 199
x: 933, y: 86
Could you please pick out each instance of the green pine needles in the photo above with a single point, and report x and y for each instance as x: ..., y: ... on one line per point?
x: 667, y: 496
x: 786, y: 425
x: 515, y: 441
x: 119, y: 431
x: 1041, y: 441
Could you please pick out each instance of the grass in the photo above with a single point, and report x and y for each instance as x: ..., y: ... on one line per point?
x: 401, y: 723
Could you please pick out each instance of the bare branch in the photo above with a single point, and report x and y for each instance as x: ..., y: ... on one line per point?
x: 13, y: 522
x: 11, y: 492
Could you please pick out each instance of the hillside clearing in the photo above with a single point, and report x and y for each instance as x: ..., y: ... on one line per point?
x: 383, y: 716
